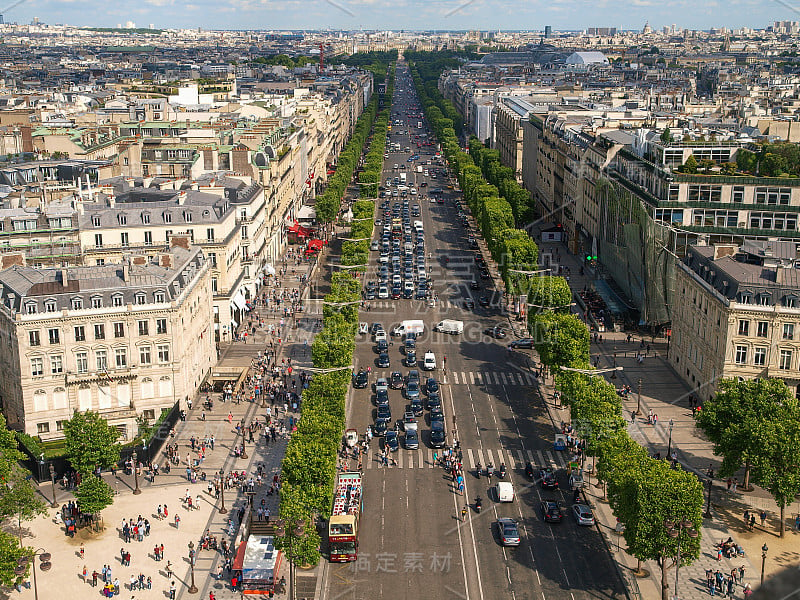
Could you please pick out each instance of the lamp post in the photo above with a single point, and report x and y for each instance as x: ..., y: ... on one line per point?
x: 674, y: 529
x: 639, y: 397
x: 669, y: 444
x: 192, y: 587
x: 53, y: 504
x: 244, y: 452
x: 764, y: 550
x: 222, y: 509
x: 135, y: 459
x: 44, y: 565
x: 298, y: 531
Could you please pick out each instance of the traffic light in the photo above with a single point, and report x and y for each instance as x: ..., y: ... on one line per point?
x: 590, y: 258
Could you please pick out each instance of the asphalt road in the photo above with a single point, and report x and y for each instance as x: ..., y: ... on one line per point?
x: 413, y: 541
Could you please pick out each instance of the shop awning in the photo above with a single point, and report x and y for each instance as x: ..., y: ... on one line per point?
x: 238, y: 301
x: 306, y: 213
x: 315, y: 244
x: 299, y: 230
x: 238, y: 560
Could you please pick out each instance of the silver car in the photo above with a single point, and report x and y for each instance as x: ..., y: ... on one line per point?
x: 509, y: 532
x: 583, y: 514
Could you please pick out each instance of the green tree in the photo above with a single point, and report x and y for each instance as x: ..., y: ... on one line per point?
x: 648, y: 499
x: 93, y: 494
x: 560, y: 339
x: 548, y: 293
x: 707, y: 164
x: 10, y: 554
x: 18, y: 497
x: 690, y: 166
x: 90, y: 442
x: 729, y: 168
x: 666, y: 136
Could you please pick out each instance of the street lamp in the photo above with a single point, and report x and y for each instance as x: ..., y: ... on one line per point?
x: 639, y: 398
x: 281, y: 532
x: 53, y: 504
x: 669, y: 444
x: 135, y: 459
x: 707, y: 514
x: 192, y: 588
x: 222, y: 509
x: 764, y: 550
x: 674, y: 529
x: 244, y: 452
x: 44, y: 565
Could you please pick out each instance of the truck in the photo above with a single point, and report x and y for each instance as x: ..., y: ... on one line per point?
x: 450, y: 326
x: 343, y: 523
x: 415, y: 326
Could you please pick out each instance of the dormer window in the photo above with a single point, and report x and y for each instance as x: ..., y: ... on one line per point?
x: 145, y: 218
x: 97, y: 302
x: 122, y: 219
x: 764, y: 299
x: 77, y: 303
x: 745, y: 298
x: 159, y: 296
x: 96, y: 220
x: 117, y: 300
x: 167, y: 217
x: 790, y: 301
x: 140, y: 298
x: 50, y: 306
x: 187, y: 216
x: 30, y: 308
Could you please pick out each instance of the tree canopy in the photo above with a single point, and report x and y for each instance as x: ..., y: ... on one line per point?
x: 90, y: 442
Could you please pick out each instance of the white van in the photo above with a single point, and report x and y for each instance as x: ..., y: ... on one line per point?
x: 429, y: 361
x: 505, y: 491
x: 417, y: 225
x: 415, y: 326
x: 450, y: 326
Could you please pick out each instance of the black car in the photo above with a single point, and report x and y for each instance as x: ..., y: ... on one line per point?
x: 496, y: 332
x: 375, y: 327
x: 522, y: 344
x: 391, y: 441
x: 409, y: 345
x: 381, y: 346
x: 408, y: 293
x: 383, y: 360
x: 551, y: 512
x: 483, y: 301
x: 415, y: 406
x: 361, y: 380
x: 380, y: 427
x: 396, y: 380
x: 474, y: 285
x: 381, y: 397
x: 547, y: 479
x: 434, y: 401
x: 469, y: 303
x: 420, y: 294
x: 431, y: 386
x: 370, y: 294
x: 383, y: 412
x: 438, y: 437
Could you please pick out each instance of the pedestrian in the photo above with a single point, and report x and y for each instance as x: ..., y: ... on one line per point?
x: 735, y: 484
x: 763, y: 516
x: 82, y: 551
x: 746, y: 518
x: 633, y: 416
x: 169, y: 569
x: 752, y: 521
x: 94, y: 578
x: 177, y: 521
x: 747, y: 591
x: 172, y: 590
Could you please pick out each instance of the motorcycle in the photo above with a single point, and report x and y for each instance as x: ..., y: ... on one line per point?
x: 502, y: 471
x: 478, y: 469
x: 489, y: 471
x: 478, y: 504
x: 529, y: 470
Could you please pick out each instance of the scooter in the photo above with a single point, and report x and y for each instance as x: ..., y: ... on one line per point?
x: 502, y: 471
x: 478, y: 504
x: 478, y: 469
x: 489, y: 471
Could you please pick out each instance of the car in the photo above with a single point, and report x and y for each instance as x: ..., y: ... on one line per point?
x: 374, y: 246
x: 474, y: 285
x: 381, y: 336
x: 483, y: 301
x: 382, y: 398
x: 397, y: 292
x: 363, y: 328
x: 468, y: 303
x: 396, y: 380
x: 411, y: 439
x: 434, y: 401
x: 383, y: 360
x: 496, y: 332
x: 508, y: 531
x: 381, y: 347
x: 412, y: 390
x: 383, y: 292
x: 420, y: 294
x: 522, y: 344
x: 429, y: 361
x: 413, y: 374
x: 375, y: 328
x: 575, y: 480
x: 583, y: 514
x: 547, y: 479
x: 431, y: 385
x: 409, y: 344
x: 361, y: 380
x: 383, y: 412
x: 380, y: 427
x: 391, y: 441
x: 438, y: 436
x: 369, y: 294
x: 409, y: 420
x: 551, y: 512
x: 415, y: 406
x: 410, y: 359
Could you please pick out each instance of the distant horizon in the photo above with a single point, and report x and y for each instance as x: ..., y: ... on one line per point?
x: 381, y: 15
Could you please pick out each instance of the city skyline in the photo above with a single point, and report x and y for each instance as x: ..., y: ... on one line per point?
x: 412, y: 14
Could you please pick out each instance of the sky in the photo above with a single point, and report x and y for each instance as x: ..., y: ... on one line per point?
x: 407, y: 14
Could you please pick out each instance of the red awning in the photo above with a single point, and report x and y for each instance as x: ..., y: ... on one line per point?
x: 315, y: 244
x: 299, y: 230
x: 238, y: 562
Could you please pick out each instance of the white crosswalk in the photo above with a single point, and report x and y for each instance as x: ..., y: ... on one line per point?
x: 516, y: 459
x: 391, y: 305
x: 507, y: 378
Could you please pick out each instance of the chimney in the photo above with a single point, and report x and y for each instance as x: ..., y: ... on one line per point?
x: 166, y: 261
x: 181, y: 241
x: 182, y: 198
x: 64, y: 277
x: 780, y: 274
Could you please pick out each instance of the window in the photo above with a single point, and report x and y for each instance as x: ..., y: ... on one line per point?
x: 214, y: 284
x: 212, y: 258
x: 82, y: 362
x: 122, y: 219
x: 148, y: 238
x: 119, y: 330
x: 163, y: 353
x: 741, y: 355
x: 737, y: 195
x: 139, y: 299
x: 30, y: 308
x: 161, y: 326
x: 99, y: 331
x: 744, y: 327
x: 54, y: 336
x: 98, y: 240
x: 56, y: 364
x: 167, y: 217
x: 790, y: 302
x: 116, y: 300
x: 187, y: 216
x: 159, y: 297
x: 80, y: 333
x: 745, y: 298
x: 210, y: 234
x: 768, y: 195
x: 60, y: 424
x: 244, y: 232
x: 100, y: 262
x: 101, y: 357
x: 124, y: 239
x: 146, y: 218
x: 788, y: 331
x: 785, y: 362
x: 42, y: 428
x: 96, y: 220
x: 121, y: 358
x: 143, y: 327
x: 763, y: 299
x: 762, y: 328
x: 144, y: 355
x: 37, y: 367
x: 760, y: 356
x: 50, y: 306
x: 33, y: 338
x: 97, y: 302
x: 76, y: 303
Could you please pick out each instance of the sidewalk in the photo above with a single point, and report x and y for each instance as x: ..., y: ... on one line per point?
x: 666, y: 395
